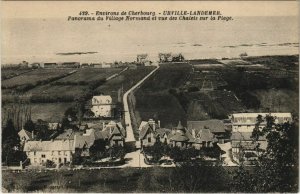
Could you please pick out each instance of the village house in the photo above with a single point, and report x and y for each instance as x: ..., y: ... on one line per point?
x: 217, y: 127
x: 54, y: 126
x: 25, y: 135
x: 242, y: 142
x: 107, y: 65
x: 96, y: 65
x: 102, y: 106
x: 57, y: 151
x: 197, y: 138
x: 179, y: 136
x: 85, y: 65
x: 143, y: 59
x: 111, y: 134
x: 150, y: 132
x: 242, y: 128
x: 34, y: 65
x: 245, y: 122
x: 169, y: 57
x: 165, y: 57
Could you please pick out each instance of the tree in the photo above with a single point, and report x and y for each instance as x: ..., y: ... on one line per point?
x: 41, y: 130
x: 277, y: 166
x: 29, y: 125
x: 156, y: 151
x: 199, y: 176
x: 10, y: 144
x: 116, y: 152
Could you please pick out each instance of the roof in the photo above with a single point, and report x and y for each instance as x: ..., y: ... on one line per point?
x: 179, y: 137
x: 82, y: 141
x: 143, y: 123
x: 246, y: 136
x: 179, y: 126
x: 102, y: 99
x: 205, y: 135
x: 162, y: 131
x: 251, y: 117
x: 68, y: 134
x: 142, y: 56
x: 25, y: 133
x: 144, y: 130
x: 249, y: 144
x: 56, y: 145
x: 215, y: 126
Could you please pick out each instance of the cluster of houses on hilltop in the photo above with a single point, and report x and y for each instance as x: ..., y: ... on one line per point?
x: 237, y: 130
x: 61, y: 149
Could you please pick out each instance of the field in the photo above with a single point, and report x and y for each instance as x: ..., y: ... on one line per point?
x: 154, y: 99
x: 174, y: 93
x: 34, y: 77
x: 57, y: 93
x: 123, y: 82
x: 7, y: 73
x: 86, y: 76
x: 215, y: 104
x: 117, y: 180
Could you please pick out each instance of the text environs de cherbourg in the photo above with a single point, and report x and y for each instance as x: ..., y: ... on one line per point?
x: 147, y: 15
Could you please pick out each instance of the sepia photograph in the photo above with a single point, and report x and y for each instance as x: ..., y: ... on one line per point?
x: 149, y: 97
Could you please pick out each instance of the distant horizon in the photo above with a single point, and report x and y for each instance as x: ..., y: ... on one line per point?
x: 41, y: 40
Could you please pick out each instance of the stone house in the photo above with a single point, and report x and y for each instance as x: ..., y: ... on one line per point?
x: 102, y: 106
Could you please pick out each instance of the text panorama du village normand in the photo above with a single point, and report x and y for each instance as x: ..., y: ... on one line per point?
x: 147, y: 15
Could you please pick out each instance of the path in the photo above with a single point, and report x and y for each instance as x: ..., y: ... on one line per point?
x: 116, y: 74
x: 128, y: 125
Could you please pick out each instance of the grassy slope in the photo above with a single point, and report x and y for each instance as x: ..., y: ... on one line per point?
x: 153, y: 99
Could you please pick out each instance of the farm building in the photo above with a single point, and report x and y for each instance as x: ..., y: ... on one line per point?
x: 102, y: 106
x: 49, y: 65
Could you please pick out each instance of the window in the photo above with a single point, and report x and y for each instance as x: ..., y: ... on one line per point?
x: 43, y: 156
x: 58, y: 152
x: 34, y: 153
x: 149, y: 139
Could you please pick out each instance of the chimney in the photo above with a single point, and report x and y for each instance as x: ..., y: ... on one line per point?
x: 193, y: 133
x: 32, y: 134
x: 103, y: 125
x: 158, y: 122
x: 152, y: 123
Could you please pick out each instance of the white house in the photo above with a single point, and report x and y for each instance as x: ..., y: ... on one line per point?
x: 245, y: 122
x: 58, y: 151
x: 102, y: 106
